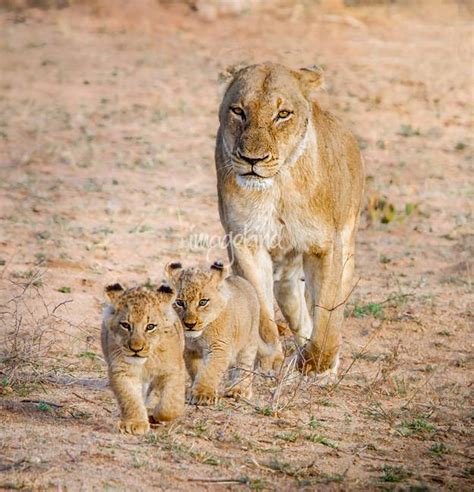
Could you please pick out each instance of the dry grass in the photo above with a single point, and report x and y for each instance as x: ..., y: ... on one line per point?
x: 27, y: 340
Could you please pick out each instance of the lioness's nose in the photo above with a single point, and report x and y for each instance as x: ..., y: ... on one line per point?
x: 190, y: 325
x: 252, y: 160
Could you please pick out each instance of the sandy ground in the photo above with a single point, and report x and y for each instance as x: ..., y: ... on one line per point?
x: 107, y: 127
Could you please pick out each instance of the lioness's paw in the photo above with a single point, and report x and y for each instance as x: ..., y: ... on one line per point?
x: 200, y: 397
x: 306, y: 364
x: 136, y: 427
x: 326, y: 378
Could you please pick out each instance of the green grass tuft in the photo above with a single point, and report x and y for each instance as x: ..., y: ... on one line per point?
x: 439, y: 449
x: 393, y: 474
x: 371, y: 309
x: 325, y: 441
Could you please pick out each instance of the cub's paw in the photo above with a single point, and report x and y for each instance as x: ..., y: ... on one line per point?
x: 239, y: 391
x: 271, y: 365
x: 278, y: 362
x: 202, y: 397
x: 165, y: 414
x: 266, y: 365
x: 136, y: 427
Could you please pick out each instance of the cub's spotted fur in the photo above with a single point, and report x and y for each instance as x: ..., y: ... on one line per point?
x: 143, y: 344
x: 220, y: 317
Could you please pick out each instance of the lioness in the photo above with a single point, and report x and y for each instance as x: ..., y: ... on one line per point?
x: 220, y: 317
x: 143, y: 346
x: 290, y: 182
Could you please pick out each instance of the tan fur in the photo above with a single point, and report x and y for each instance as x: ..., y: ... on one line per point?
x: 298, y: 214
x: 219, y: 335
x: 142, y: 363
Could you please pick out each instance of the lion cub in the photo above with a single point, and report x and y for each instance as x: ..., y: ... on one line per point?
x: 143, y: 345
x: 220, y: 317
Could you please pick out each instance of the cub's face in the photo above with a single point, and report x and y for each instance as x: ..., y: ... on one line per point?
x: 200, y: 295
x: 264, y: 119
x: 139, y: 320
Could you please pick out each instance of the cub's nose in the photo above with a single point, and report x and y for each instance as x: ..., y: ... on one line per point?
x: 135, y: 349
x: 190, y: 325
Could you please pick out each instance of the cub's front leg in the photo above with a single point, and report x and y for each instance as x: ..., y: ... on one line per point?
x: 171, y: 389
x: 128, y: 392
x: 205, y: 388
x: 193, y: 359
x: 242, y: 379
x: 254, y: 263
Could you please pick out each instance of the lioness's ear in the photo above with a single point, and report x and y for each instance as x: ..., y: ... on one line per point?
x: 114, y: 292
x: 173, y: 271
x: 219, y: 271
x: 227, y: 75
x: 166, y: 291
x: 311, y: 79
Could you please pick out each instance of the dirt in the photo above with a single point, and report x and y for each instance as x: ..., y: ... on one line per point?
x: 107, y: 127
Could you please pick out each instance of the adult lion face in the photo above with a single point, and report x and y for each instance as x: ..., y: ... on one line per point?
x: 264, y: 118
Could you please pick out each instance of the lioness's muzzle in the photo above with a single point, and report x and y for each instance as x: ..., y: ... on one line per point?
x: 252, y: 160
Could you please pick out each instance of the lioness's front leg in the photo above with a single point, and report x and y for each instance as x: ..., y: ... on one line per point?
x: 254, y: 263
x: 128, y: 391
x: 323, y: 275
x: 205, y: 388
x: 290, y: 294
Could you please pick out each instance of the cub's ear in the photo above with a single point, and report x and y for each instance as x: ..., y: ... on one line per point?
x: 173, y: 270
x: 226, y: 76
x: 114, y: 292
x: 219, y: 271
x: 310, y: 79
x: 166, y: 291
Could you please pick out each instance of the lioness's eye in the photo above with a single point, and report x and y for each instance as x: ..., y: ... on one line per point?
x: 180, y: 303
x: 125, y: 325
x: 203, y: 302
x: 150, y: 327
x: 283, y: 114
x: 238, y: 111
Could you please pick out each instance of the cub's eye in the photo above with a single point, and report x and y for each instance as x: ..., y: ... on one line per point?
x: 125, y: 325
x: 283, y: 114
x: 238, y: 111
x: 203, y: 302
x: 150, y: 327
x: 180, y: 303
